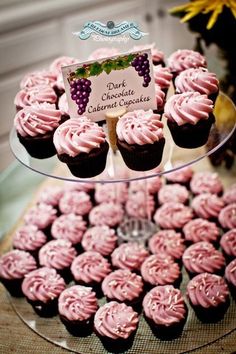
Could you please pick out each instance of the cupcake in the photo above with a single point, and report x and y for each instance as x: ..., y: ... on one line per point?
x: 161, y: 269
x: 189, y: 118
x: 89, y: 269
x: 230, y: 276
x: 198, y: 79
x: 35, y: 127
x: 140, y: 205
x: 81, y: 145
x: 173, y: 193
x: 228, y: 244
x: 35, y: 95
x: 129, y: 256
x: 116, y: 324
x: 75, y: 202
x: 206, y: 182
x: 140, y: 139
x: 42, y: 288
x: 203, y: 257
x: 208, y: 295
x: 109, y: 192
x: 167, y: 242
x: 50, y: 195
x: 227, y: 217
x: 38, y: 78
x: 124, y: 286
x: 101, y: 239
x: 30, y: 239
x: 58, y: 254
x: 63, y: 107
x: 165, y: 311
x: 160, y: 100
x: 157, y: 54
x: 173, y: 216
x: 229, y: 196
x: 207, y: 206
x: 182, y: 175
x: 197, y: 230
x: 14, y: 265
x: 77, y: 306
x: 110, y: 214
x: 87, y: 187
x: 162, y: 77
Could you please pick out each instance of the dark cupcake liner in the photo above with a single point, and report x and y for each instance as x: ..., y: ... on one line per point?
x: 211, y: 314
x: 78, y: 328
x: 13, y: 286
x: 116, y: 345
x: 159, y: 62
x: 232, y: 289
x: 40, y: 147
x: 142, y: 157
x: 46, y: 310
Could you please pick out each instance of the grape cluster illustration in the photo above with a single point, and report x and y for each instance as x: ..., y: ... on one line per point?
x: 80, y: 90
x: 141, y: 65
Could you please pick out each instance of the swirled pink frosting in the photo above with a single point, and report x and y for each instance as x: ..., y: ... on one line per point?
x: 75, y: 202
x: 164, y: 305
x: 227, y: 216
x: 77, y: 303
x: 182, y: 175
x: 152, y: 184
x: 188, y: 107
x: 160, y: 269
x: 117, y: 192
x: 129, y: 256
x: 101, y: 239
x: 35, y: 94
x: 76, y: 136
x: 59, y: 62
x: 79, y: 186
x: 140, y: 127
x: 167, y: 242
x: 63, y: 104
x: 110, y: 214
x: 206, y: 182
x: 90, y: 267
x: 60, y: 83
x: 160, y: 98
x: 162, y: 76
x: 41, y: 215
x: 69, y: 227
x: 173, y: 193
x: 201, y: 230
x: 16, y: 264
x: 103, y: 52
x: 203, y: 257
x: 157, y: 54
x: 228, y: 242
x: 197, y: 79
x: 230, y: 272
x: 43, y: 284
x: 28, y: 238
x: 229, y: 195
x: 173, y: 215
x: 140, y: 205
x: 33, y: 121
x: 38, y: 78
x: 207, y: 290
x: 183, y: 59
x: 115, y: 320
x: 57, y: 254
x: 50, y: 195
x: 207, y: 205
x: 122, y: 285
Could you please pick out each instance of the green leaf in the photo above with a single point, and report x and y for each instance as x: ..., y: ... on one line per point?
x: 81, y: 72
x: 95, y: 69
x: 107, y: 66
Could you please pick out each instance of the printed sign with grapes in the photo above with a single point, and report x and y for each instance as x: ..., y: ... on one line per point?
x: 122, y: 81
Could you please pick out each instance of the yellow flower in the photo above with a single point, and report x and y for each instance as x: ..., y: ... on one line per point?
x: 195, y: 7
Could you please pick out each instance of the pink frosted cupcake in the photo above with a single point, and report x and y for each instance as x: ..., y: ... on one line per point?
x: 167, y: 242
x: 230, y: 276
x: 42, y: 288
x: 203, y: 257
x: 116, y: 324
x: 228, y: 244
x: 182, y: 175
x: 229, y: 196
x: 77, y: 306
x: 162, y: 77
x: 35, y: 94
x: 206, y: 182
x: 38, y: 78
x: 69, y: 227
x: 124, y: 286
x: 208, y: 295
x: 227, y: 217
x: 110, y: 214
x: 189, y: 118
x: 139, y: 205
x: 129, y: 256
x: 173, y: 193
x: 63, y: 107
x: 74, y: 202
x: 207, y: 206
x: 160, y: 100
x: 42, y: 215
x: 173, y: 216
x: 152, y: 185
x: 165, y: 311
x: 157, y: 54
x: 58, y: 254
x: 109, y: 192
x: 199, y: 229
x: 51, y: 195
x: 14, y: 265
x: 101, y: 239
x: 161, y: 269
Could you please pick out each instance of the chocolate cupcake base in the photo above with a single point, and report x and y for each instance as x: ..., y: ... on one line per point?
x: 213, y: 314
x: 117, y: 345
x: 78, y: 328
x: 40, y: 147
x: 46, y: 310
x: 13, y: 286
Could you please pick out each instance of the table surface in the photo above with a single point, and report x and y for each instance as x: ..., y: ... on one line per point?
x: 17, y: 337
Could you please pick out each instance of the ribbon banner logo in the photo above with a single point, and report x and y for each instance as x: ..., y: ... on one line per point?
x: 110, y: 29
